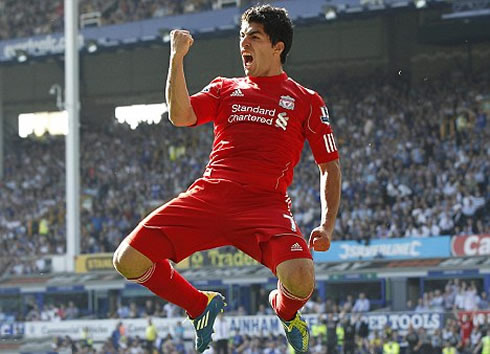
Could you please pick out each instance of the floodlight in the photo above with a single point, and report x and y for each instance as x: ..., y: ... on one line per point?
x: 164, y: 34
x: 136, y: 114
x: 40, y: 123
x: 419, y: 4
x: 21, y: 55
x: 330, y: 14
x: 92, y: 46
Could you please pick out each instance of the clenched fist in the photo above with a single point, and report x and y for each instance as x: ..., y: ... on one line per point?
x: 180, y: 42
x: 320, y: 239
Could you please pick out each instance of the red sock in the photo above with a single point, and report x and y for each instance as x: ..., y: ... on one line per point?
x: 286, y: 304
x: 164, y: 281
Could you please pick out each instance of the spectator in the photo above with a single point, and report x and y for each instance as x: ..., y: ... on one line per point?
x: 221, y: 334
x: 484, y: 344
x: 412, y: 340
x: 122, y: 311
x: 349, y: 337
x: 437, y: 302
x: 449, y: 348
x: 149, y: 309
x: 475, y: 337
x: 133, y: 310
x: 118, y: 336
x: 71, y: 311
x: 391, y: 346
x: 424, y: 345
x: 332, y: 339
x: 471, y: 298
x: 362, y: 304
x: 436, y: 341
x: 466, y: 327
x: 483, y: 301
x: 151, y: 336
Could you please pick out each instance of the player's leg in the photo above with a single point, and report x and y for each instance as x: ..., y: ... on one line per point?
x: 295, y: 286
x: 289, y: 258
x: 296, y: 282
x: 157, y: 274
x: 263, y: 227
x: 187, y: 224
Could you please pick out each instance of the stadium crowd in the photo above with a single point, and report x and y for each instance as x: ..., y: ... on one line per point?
x: 36, y: 17
x: 333, y: 334
x: 342, y: 326
x: 456, y: 295
x: 414, y: 159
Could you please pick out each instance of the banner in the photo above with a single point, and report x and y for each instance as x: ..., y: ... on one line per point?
x: 401, y: 248
x: 218, y: 257
x: 479, y: 317
x: 93, y: 262
x: 264, y: 325
x: 100, y: 330
x: 401, y: 321
x: 11, y: 330
x: 471, y: 245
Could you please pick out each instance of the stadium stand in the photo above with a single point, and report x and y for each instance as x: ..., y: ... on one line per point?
x: 33, y: 17
x: 415, y: 165
x: 344, y: 328
x: 407, y: 189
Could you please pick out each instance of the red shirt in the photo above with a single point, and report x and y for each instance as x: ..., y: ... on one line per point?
x: 466, y: 329
x: 260, y: 126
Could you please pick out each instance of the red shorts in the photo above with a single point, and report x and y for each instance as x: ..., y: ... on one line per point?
x: 216, y: 212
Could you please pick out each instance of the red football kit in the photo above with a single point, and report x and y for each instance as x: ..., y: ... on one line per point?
x: 260, y: 126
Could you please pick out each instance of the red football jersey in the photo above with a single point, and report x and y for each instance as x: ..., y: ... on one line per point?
x: 260, y: 126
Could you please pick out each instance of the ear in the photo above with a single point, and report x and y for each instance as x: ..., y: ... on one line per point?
x: 279, y: 47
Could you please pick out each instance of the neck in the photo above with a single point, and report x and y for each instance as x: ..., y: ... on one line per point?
x: 275, y: 70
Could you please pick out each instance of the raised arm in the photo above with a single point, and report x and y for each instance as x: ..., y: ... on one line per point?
x: 330, y: 188
x: 180, y: 111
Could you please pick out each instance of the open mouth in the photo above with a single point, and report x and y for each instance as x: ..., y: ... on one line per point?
x: 247, y: 60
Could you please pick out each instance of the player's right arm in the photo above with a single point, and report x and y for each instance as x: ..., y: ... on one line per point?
x: 180, y: 111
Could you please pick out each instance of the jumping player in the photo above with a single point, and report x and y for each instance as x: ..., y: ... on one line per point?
x: 261, y: 122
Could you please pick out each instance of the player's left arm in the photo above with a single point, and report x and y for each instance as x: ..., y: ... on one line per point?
x: 322, y: 142
x: 330, y: 189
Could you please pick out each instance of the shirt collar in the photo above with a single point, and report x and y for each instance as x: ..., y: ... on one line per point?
x: 269, y: 79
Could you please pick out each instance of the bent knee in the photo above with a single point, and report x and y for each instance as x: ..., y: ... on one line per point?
x: 129, y: 262
x: 300, y: 279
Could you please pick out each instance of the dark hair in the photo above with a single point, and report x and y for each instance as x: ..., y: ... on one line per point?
x: 276, y: 22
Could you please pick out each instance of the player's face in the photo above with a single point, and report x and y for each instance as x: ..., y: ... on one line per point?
x: 259, y: 57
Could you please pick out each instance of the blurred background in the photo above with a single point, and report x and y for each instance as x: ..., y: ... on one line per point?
x: 408, y: 88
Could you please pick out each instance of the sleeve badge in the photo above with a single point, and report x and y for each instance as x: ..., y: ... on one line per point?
x: 325, y: 117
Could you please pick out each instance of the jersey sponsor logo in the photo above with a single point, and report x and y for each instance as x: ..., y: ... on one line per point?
x: 237, y: 93
x: 325, y: 117
x: 255, y: 114
x: 235, y: 108
x: 286, y: 102
x: 282, y: 120
x: 330, y: 143
x: 258, y: 114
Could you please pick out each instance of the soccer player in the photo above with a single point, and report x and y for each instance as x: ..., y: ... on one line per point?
x: 261, y: 122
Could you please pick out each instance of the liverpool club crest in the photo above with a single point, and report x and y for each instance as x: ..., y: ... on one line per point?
x: 286, y: 102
